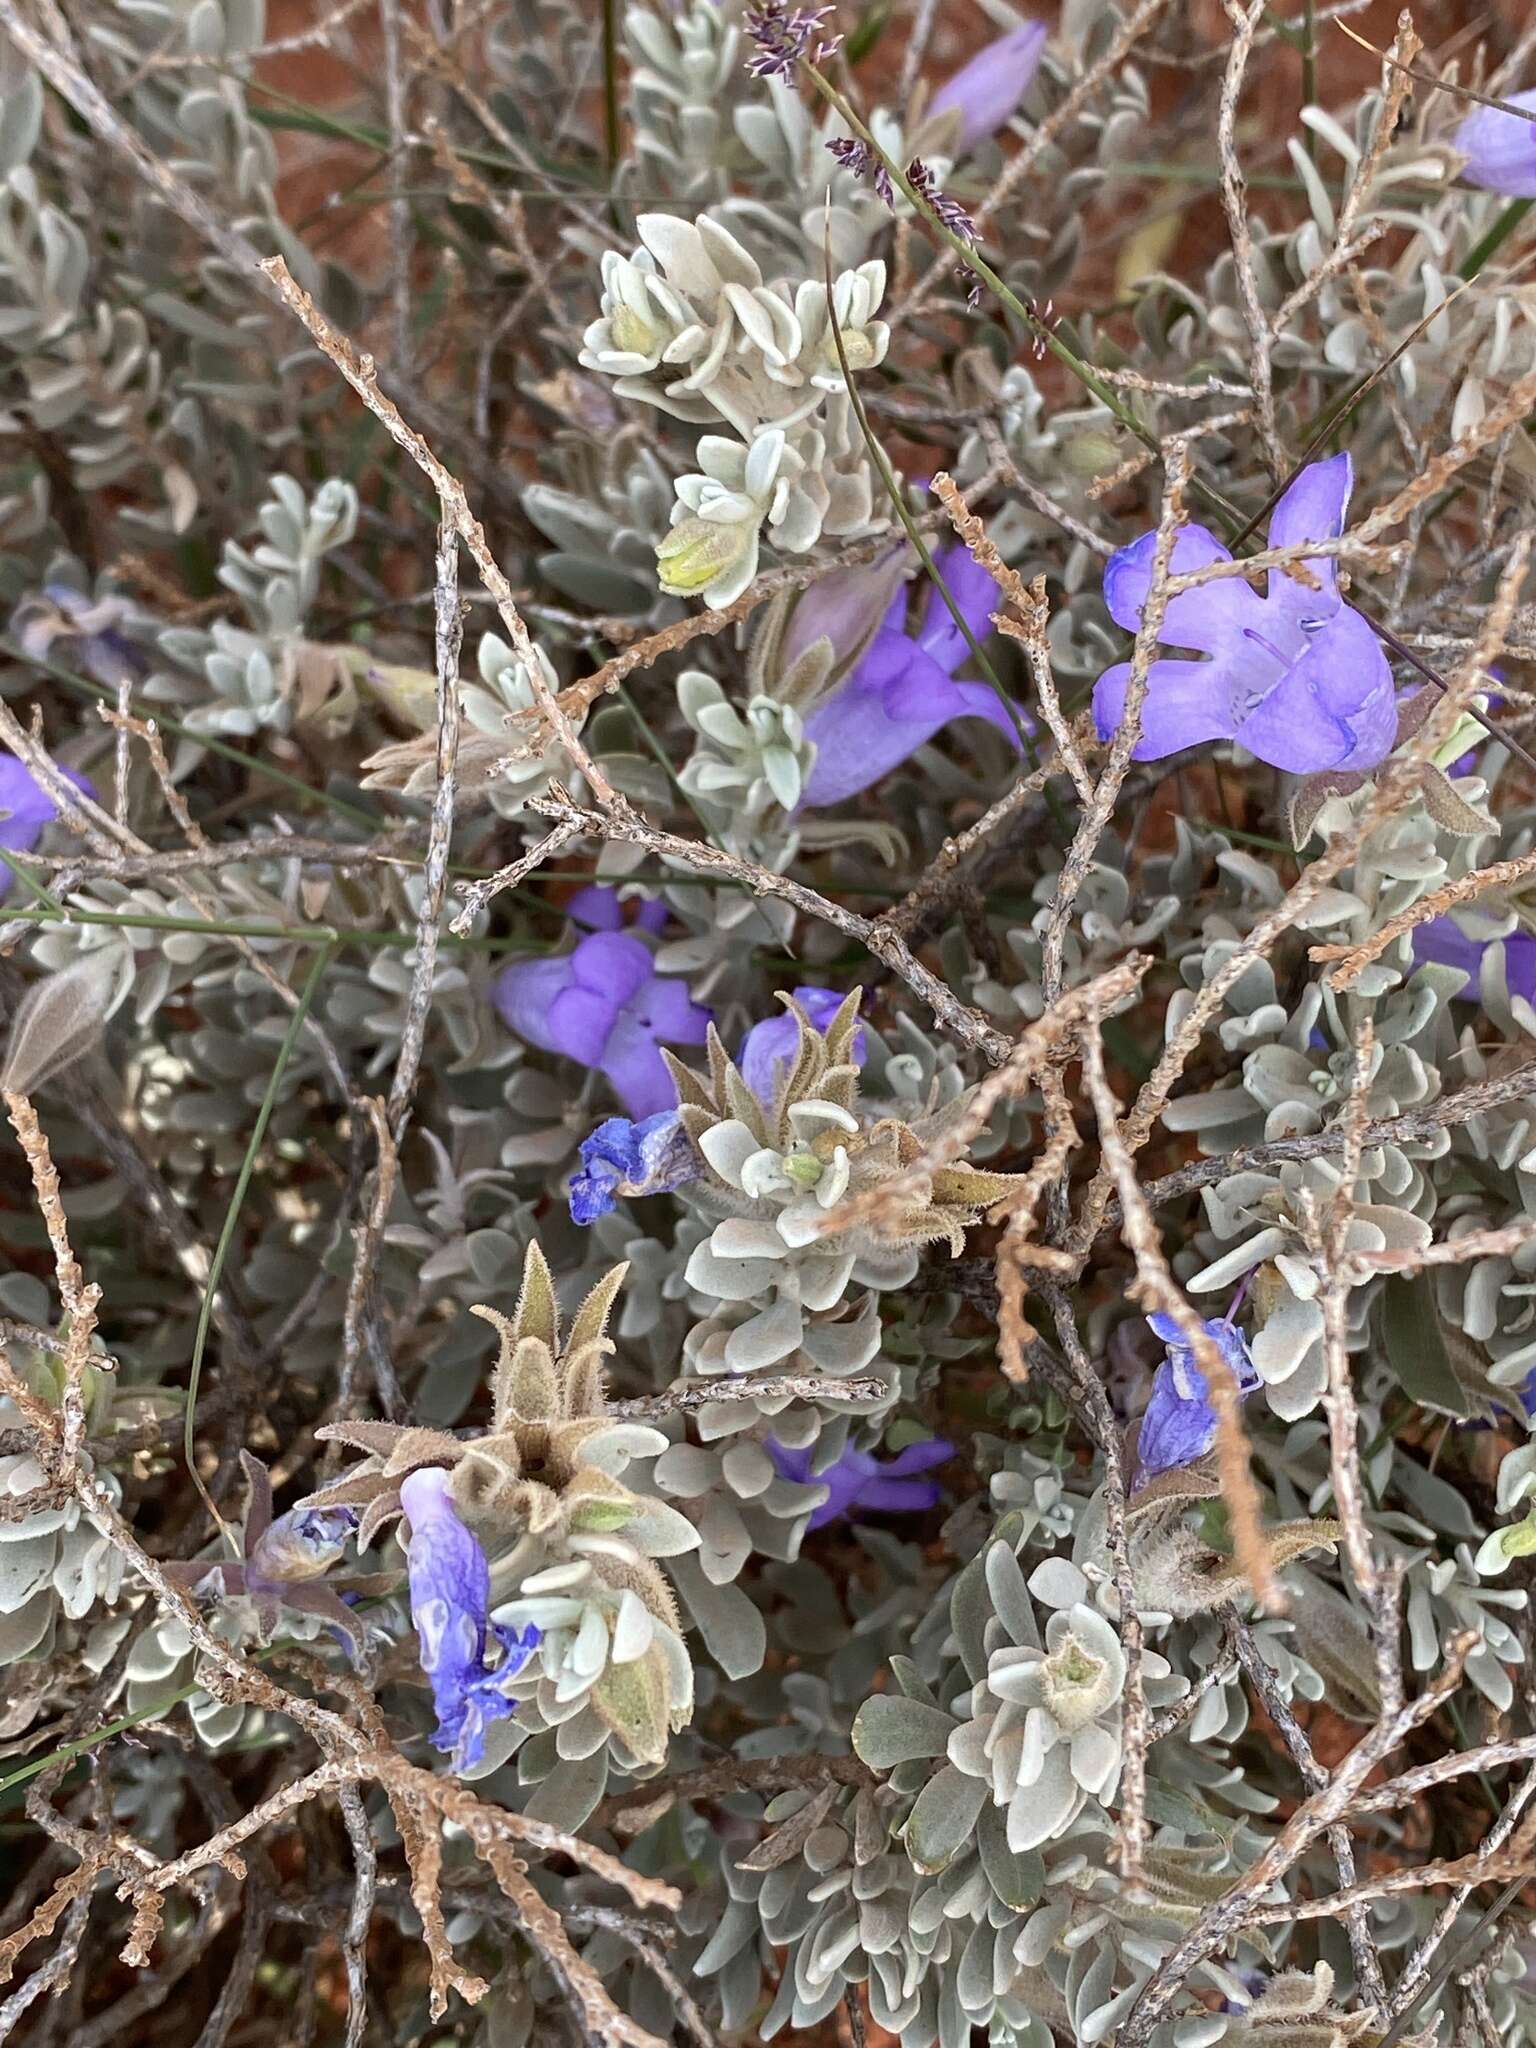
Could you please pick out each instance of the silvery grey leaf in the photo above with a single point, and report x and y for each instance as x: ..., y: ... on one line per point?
x: 64, y: 1014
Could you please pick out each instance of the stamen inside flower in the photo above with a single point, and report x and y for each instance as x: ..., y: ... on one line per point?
x: 1268, y: 645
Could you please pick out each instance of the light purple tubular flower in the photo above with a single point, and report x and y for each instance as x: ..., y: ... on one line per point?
x: 1297, y: 677
x: 26, y: 809
x: 302, y: 1544
x: 450, y: 1591
x: 1442, y: 942
x: 845, y: 607
x: 1501, y: 148
x: 769, y: 1046
x: 1179, y: 1424
x: 86, y: 627
x: 860, y: 1483
x: 989, y: 90
x: 282, y: 1563
x: 605, y: 1006
x: 903, y: 690
x: 624, y: 1158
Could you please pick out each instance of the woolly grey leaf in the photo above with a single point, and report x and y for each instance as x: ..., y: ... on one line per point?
x: 946, y: 1811
x: 889, y: 1730
x: 64, y: 1015
x: 1450, y: 809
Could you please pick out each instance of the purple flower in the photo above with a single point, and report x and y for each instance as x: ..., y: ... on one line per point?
x: 605, y: 1005
x: 624, y: 1158
x: 860, y: 1483
x: 987, y: 91
x: 26, y: 809
x: 903, y: 690
x: 845, y: 607
x: 781, y: 36
x: 58, y: 613
x: 1179, y: 1424
x: 768, y: 1046
x: 450, y: 1591
x: 1500, y: 148
x: 281, y: 1562
x: 1442, y: 942
x: 299, y: 1545
x: 1297, y: 677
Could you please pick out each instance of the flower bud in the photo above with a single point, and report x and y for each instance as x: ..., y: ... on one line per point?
x: 699, y: 552
x: 988, y: 91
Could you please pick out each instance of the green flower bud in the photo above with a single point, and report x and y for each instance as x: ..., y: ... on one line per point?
x: 803, y: 1168
x: 630, y: 333
x: 1500, y: 1549
x: 695, y: 552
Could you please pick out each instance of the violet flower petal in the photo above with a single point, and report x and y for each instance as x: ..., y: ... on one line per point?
x: 604, y: 1005
x: 1333, y: 708
x: 857, y: 1481
x: 860, y: 737
x: 597, y: 907
x: 581, y: 1022
x: 615, y: 964
x: 843, y: 1482
x: 848, y: 608
x: 1500, y: 148
x: 625, y: 1158
x: 791, y: 1463
x: 26, y: 809
x: 1314, y: 508
x: 918, y: 1457
x: 1179, y: 710
x: 1441, y: 941
x: 523, y: 992
x: 1297, y: 677
x: 1179, y: 1423
x: 637, y: 1071
x: 450, y: 1584
x: 974, y: 590
x: 886, y: 1496
x: 1210, y: 619
x: 988, y: 90
x: 664, y: 1008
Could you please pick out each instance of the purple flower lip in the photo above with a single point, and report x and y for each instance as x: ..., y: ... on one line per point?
x: 1500, y: 148
x: 604, y: 1005
x: 1179, y: 1423
x: 1297, y: 677
x: 860, y: 1483
x: 450, y: 1581
x: 903, y: 690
